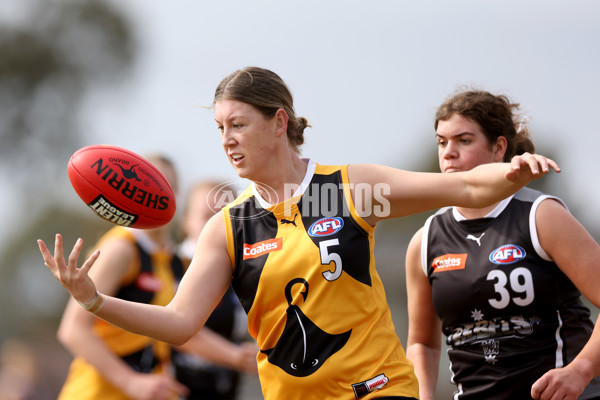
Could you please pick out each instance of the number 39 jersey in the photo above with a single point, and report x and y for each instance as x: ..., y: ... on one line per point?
x: 508, y: 312
x: 305, y: 273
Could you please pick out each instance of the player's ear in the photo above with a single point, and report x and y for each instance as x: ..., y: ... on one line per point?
x: 499, y: 148
x: 281, y: 122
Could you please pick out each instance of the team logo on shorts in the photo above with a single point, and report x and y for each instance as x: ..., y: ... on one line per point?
x: 507, y: 254
x: 326, y: 226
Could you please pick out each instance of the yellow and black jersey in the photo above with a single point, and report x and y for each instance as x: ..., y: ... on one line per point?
x: 305, y: 273
x: 152, y: 278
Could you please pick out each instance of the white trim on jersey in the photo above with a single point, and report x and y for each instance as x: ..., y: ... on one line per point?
x: 492, y: 214
x: 559, y: 343
x: 310, y: 172
x: 533, y: 227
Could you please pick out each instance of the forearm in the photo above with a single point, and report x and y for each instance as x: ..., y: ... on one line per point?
x: 490, y: 183
x: 109, y: 365
x: 426, y: 361
x: 487, y: 184
x: 213, y: 347
x: 587, y: 362
x: 76, y: 334
x: 165, y: 324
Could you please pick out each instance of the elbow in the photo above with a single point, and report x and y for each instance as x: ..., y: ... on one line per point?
x: 63, y: 336
x: 182, y: 335
x: 181, y: 338
x: 181, y: 328
x: 67, y: 338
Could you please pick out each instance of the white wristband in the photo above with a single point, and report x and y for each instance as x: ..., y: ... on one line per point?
x: 93, y: 305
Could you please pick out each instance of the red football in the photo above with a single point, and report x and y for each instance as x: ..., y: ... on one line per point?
x: 121, y: 186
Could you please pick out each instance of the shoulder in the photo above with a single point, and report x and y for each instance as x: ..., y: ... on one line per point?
x: 117, y: 239
x: 241, y: 198
x: 535, y: 196
x: 543, y: 206
x: 414, y: 246
x: 414, y: 252
x: 548, y: 207
x: 118, y: 259
x: 215, y: 230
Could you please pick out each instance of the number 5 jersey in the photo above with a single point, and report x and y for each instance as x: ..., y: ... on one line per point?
x: 305, y: 273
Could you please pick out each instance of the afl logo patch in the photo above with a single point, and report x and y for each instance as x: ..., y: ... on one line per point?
x: 326, y: 226
x: 507, y: 254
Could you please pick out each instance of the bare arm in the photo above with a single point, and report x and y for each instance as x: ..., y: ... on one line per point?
x: 203, y: 285
x: 397, y: 193
x: 76, y: 332
x: 424, y: 327
x: 219, y: 350
x: 576, y: 253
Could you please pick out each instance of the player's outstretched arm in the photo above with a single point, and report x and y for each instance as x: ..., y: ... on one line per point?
x: 200, y: 290
x: 405, y: 192
x: 136, y: 317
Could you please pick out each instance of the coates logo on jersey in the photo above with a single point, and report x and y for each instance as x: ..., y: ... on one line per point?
x: 449, y: 262
x: 262, y: 248
x: 326, y: 226
x: 507, y: 254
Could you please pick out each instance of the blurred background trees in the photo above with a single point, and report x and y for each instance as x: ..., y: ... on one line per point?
x: 53, y: 55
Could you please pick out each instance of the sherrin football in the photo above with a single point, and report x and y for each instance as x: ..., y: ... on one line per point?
x: 121, y: 186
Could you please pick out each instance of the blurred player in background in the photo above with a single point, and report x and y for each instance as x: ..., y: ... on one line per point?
x: 111, y: 363
x: 502, y: 282
x: 210, y: 363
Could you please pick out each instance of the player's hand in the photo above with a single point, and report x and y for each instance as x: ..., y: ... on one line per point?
x: 75, y: 280
x: 530, y: 166
x: 560, y: 383
x: 246, y: 362
x: 154, y: 387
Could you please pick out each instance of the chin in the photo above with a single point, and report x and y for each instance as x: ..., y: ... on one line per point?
x: 241, y: 173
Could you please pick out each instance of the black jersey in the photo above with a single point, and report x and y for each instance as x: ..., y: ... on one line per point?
x: 508, y: 312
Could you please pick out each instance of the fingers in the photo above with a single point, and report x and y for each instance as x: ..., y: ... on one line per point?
x: 58, y: 247
x: 89, y: 262
x: 170, y: 386
x: 180, y: 389
x: 537, y: 164
x: 538, y: 387
x: 75, y: 253
x: 553, y: 165
x: 45, y: 252
x: 558, y: 383
x: 58, y: 265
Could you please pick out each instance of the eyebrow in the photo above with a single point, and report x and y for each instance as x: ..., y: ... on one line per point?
x: 467, y: 133
x: 231, y: 118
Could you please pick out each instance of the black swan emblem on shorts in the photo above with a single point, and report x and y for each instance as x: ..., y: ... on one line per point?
x: 303, y: 347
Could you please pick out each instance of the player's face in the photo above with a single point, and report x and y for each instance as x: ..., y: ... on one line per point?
x: 248, y: 137
x: 463, y: 146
